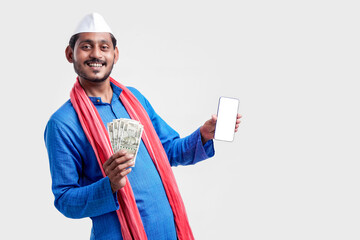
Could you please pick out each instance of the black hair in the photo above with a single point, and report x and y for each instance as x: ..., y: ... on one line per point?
x: 75, y: 37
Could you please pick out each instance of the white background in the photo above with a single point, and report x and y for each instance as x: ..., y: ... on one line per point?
x: 292, y: 171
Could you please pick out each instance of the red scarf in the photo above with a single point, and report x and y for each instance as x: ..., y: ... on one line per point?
x: 96, y: 133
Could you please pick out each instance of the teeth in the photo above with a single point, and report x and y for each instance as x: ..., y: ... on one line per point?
x: 95, y: 65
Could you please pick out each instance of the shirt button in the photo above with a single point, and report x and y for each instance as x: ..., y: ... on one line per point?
x: 98, y: 100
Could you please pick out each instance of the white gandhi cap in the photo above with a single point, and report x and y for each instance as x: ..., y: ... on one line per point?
x: 92, y: 22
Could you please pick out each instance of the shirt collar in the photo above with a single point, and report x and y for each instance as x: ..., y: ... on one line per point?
x: 116, y: 94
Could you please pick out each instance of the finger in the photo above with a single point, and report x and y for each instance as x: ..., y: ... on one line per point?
x: 212, y: 123
x: 119, y: 176
x: 125, y: 165
x: 125, y: 172
x: 211, y: 129
x: 120, y: 153
x: 115, y: 162
x: 121, y: 160
x: 111, y: 162
x: 213, y: 119
x: 113, y: 157
x: 237, y: 126
x: 120, y: 171
x: 239, y: 116
x: 122, y: 174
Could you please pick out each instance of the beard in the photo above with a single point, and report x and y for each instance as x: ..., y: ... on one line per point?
x: 81, y: 72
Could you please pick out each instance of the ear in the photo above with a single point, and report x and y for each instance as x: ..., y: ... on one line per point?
x: 69, y: 54
x: 116, y: 55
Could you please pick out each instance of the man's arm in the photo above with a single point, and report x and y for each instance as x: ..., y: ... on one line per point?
x: 72, y: 198
x: 194, y: 148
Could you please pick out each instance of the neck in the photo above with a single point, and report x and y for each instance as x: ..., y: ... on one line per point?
x: 97, y: 89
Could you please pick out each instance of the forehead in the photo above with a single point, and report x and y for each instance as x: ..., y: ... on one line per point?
x: 94, y: 37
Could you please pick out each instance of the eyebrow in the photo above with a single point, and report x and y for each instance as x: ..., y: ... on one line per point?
x: 91, y: 41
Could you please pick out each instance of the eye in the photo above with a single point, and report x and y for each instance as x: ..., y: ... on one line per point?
x: 86, y: 47
x: 105, y: 47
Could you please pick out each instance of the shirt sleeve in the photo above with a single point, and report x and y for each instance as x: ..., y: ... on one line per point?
x: 180, y: 151
x: 71, y: 198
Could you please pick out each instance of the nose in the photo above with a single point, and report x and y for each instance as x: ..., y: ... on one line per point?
x: 96, y: 52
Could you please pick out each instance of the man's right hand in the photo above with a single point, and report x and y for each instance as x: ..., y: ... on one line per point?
x: 117, y: 167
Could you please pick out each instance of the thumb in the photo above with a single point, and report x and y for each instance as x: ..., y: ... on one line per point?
x: 213, y: 119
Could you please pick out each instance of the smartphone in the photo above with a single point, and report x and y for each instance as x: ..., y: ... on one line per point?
x: 226, y: 119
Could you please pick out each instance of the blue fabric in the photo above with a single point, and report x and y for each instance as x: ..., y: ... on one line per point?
x: 81, y: 191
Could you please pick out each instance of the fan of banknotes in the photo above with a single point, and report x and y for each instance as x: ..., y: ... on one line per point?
x: 125, y: 134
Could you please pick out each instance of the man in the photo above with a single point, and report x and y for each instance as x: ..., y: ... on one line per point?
x: 89, y: 180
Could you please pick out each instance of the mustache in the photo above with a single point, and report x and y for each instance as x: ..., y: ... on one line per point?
x: 95, y: 60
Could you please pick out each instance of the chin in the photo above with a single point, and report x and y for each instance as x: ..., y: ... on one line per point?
x: 93, y: 76
x: 97, y: 79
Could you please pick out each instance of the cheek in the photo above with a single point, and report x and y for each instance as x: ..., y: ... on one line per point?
x: 111, y: 59
x: 79, y: 56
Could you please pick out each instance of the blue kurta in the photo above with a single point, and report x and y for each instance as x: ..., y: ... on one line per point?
x: 79, y: 188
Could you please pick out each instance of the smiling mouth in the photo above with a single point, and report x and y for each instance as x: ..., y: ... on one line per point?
x: 95, y: 64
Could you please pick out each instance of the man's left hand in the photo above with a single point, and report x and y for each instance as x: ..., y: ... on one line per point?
x: 208, y: 129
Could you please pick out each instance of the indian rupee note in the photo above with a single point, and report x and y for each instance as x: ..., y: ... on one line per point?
x: 110, y: 127
x: 131, y: 137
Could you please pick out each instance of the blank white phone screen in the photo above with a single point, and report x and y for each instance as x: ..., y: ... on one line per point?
x: 226, y: 119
